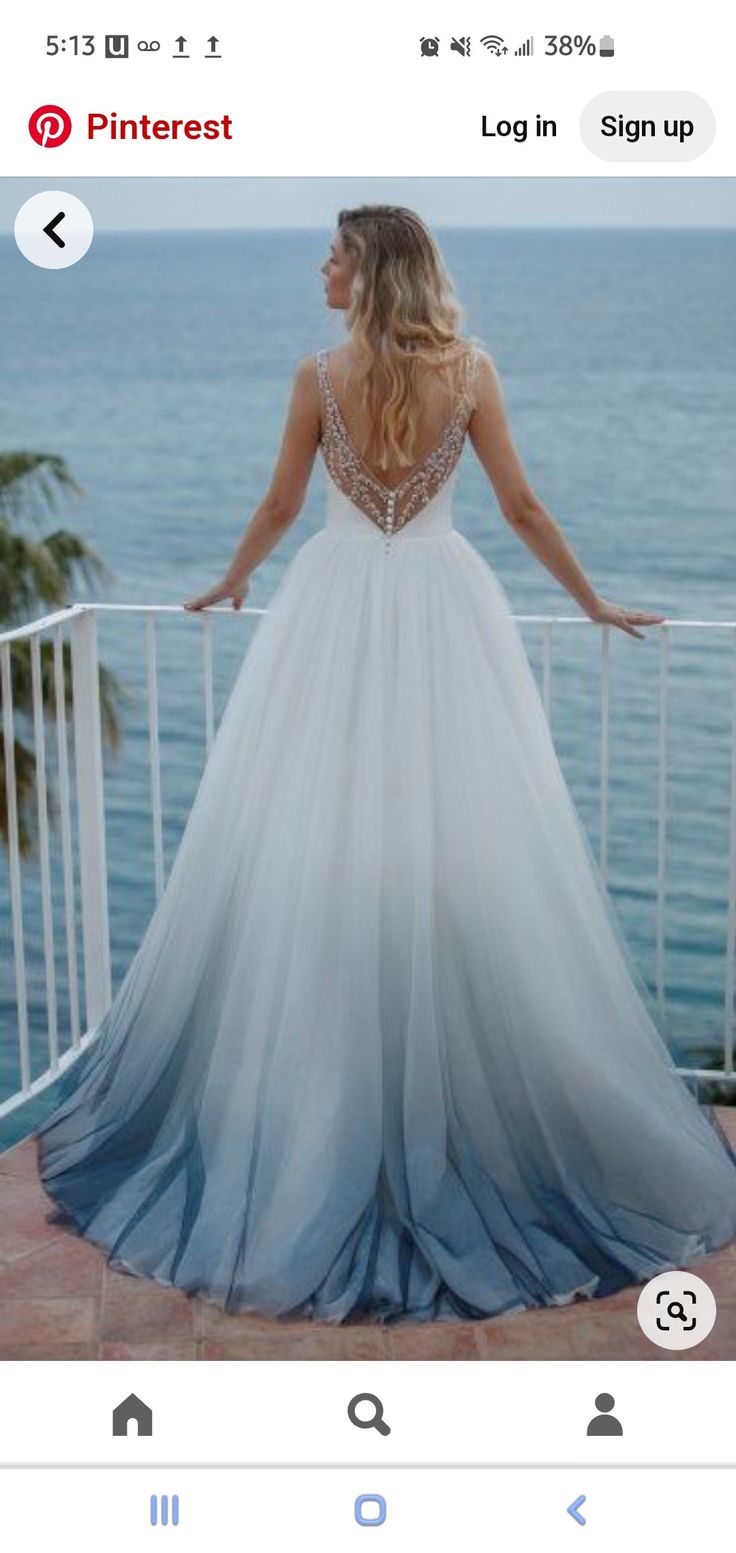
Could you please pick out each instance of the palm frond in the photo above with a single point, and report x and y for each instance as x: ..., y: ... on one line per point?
x: 43, y: 573
x: 31, y: 484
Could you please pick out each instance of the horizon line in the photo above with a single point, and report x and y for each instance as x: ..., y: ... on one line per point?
x: 437, y: 226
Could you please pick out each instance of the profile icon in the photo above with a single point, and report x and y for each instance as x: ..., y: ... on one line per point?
x: 604, y: 1421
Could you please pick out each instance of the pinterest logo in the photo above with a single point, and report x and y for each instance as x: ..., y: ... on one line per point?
x: 50, y: 126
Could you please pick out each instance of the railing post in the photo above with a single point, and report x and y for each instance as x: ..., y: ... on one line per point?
x: 91, y: 817
x: 728, y: 1030
x: 604, y: 777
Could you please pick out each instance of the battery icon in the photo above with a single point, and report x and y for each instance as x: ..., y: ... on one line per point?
x: 605, y: 47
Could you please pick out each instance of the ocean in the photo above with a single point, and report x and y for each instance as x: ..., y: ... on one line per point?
x: 160, y: 366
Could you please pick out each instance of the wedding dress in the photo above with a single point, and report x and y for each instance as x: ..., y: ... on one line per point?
x: 383, y: 1050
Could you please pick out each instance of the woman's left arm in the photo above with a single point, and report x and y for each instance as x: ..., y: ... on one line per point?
x: 285, y: 495
x: 491, y: 438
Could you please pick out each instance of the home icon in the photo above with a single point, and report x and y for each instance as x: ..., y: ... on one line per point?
x: 132, y: 1407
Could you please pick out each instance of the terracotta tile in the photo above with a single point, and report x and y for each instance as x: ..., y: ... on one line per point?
x: 727, y: 1254
x: 148, y: 1351
x: 197, y: 1318
x: 67, y: 1266
x: 710, y: 1349
x: 36, y: 1322
x: 138, y: 1310
x: 217, y: 1322
x: 433, y: 1340
x: 23, y: 1226
x: 338, y: 1344
x: 603, y: 1334
x: 35, y: 1192
x: 723, y: 1335
x: 727, y: 1117
x: 46, y: 1351
x: 214, y: 1348
x: 367, y: 1342
x: 20, y: 1161
x: 595, y: 1333
x: 719, y: 1272
x: 133, y: 1284
x: 596, y: 1339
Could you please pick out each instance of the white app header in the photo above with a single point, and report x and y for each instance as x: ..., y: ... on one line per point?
x: 422, y: 90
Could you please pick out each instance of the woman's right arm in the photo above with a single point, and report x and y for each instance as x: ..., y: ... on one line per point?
x: 285, y: 494
x: 490, y: 435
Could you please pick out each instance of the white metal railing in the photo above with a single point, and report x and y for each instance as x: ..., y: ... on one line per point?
x: 81, y: 622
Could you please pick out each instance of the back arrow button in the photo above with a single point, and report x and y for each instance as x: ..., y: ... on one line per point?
x: 50, y: 230
x: 574, y: 1509
x: 53, y: 229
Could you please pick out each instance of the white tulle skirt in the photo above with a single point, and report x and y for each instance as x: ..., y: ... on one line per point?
x: 383, y: 1050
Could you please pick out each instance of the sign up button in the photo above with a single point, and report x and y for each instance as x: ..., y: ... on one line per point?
x: 648, y: 126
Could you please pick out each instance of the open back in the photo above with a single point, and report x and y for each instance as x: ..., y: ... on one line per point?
x: 390, y: 507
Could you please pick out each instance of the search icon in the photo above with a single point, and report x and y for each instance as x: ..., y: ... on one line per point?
x: 376, y: 1421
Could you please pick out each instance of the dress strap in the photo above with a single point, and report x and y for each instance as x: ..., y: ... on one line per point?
x: 468, y: 374
x: 323, y: 376
x: 467, y: 378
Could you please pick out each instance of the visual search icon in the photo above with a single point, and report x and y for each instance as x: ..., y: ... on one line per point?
x: 676, y: 1310
x: 373, y: 1419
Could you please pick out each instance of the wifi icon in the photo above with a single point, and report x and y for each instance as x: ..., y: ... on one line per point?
x: 494, y: 44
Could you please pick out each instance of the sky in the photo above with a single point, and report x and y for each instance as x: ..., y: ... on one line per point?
x: 160, y: 204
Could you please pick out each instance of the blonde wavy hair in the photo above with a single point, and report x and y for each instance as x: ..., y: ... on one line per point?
x: 403, y: 312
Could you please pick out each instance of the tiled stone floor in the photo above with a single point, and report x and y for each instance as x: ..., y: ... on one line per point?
x: 60, y: 1300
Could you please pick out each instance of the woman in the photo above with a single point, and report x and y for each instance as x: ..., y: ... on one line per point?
x: 383, y: 1050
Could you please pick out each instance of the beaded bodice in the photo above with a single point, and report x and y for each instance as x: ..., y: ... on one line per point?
x: 390, y: 507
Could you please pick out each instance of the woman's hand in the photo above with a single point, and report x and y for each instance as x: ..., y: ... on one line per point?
x: 607, y: 614
x: 227, y: 589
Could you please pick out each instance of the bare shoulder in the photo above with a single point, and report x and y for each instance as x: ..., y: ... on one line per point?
x: 484, y: 367
x: 486, y: 381
x: 305, y: 371
x: 305, y: 382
